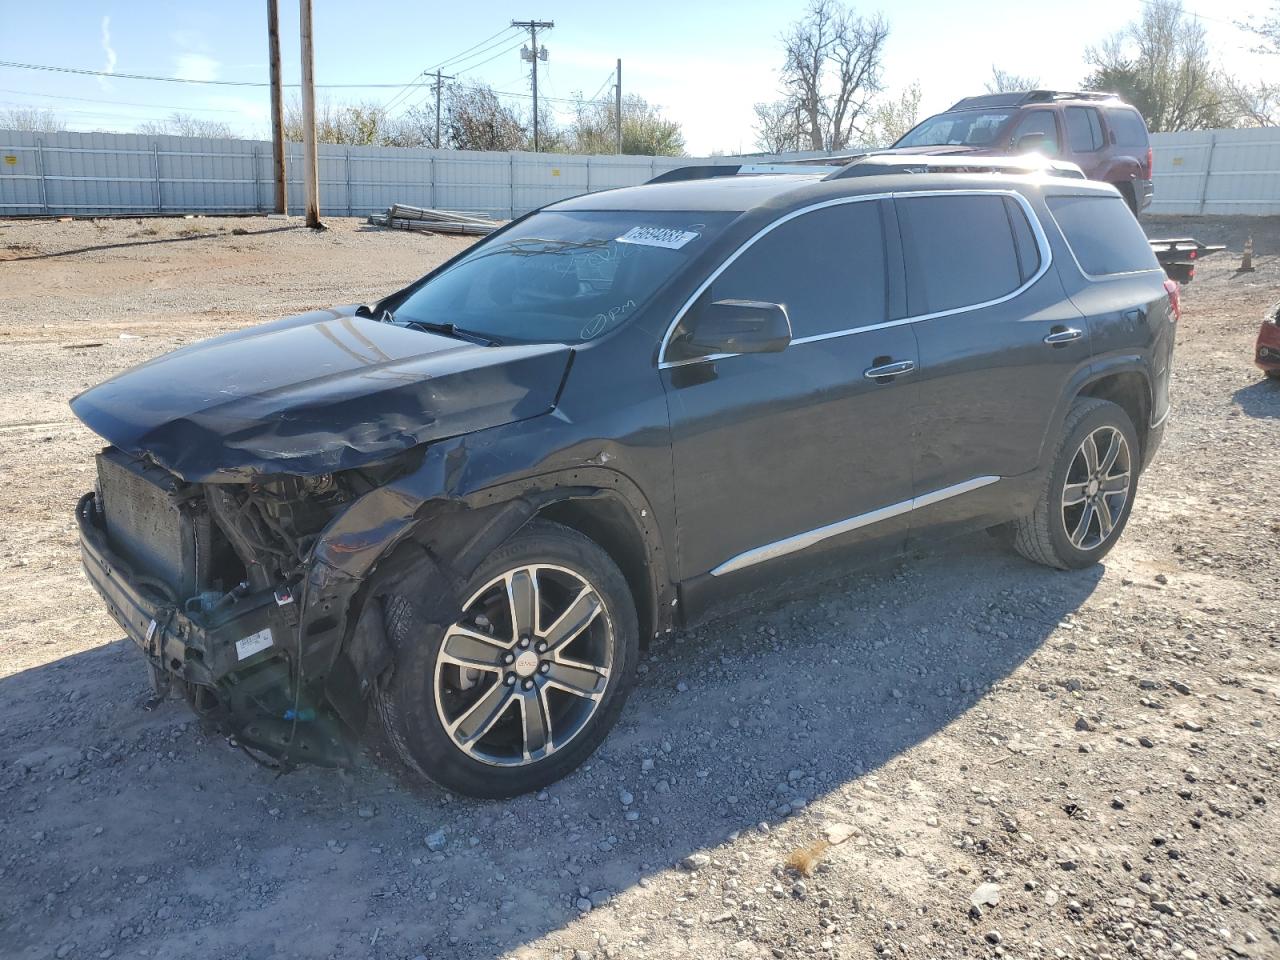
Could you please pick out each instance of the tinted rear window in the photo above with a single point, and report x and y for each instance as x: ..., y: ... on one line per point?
x: 1103, y: 235
x: 1128, y: 127
x: 1084, y: 131
x: 959, y: 251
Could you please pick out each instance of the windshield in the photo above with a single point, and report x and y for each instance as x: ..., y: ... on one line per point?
x: 967, y: 128
x: 564, y: 277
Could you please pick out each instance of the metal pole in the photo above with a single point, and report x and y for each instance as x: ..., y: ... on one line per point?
x: 533, y: 34
x: 617, y: 104
x: 1208, y: 169
x: 155, y: 166
x: 257, y: 180
x: 281, y: 203
x: 532, y: 26
x: 347, y: 167
x: 311, y: 165
x: 44, y: 187
x: 440, y: 79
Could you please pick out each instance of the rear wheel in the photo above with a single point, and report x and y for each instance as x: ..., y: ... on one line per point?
x: 1130, y: 194
x: 526, y: 683
x: 1088, y: 493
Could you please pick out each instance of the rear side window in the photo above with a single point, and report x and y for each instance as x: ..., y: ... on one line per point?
x: 1024, y: 240
x: 959, y: 251
x: 1128, y: 128
x: 827, y: 267
x: 1084, y: 129
x: 1103, y: 235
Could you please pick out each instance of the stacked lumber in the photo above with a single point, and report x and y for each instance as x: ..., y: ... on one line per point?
x: 402, y: 216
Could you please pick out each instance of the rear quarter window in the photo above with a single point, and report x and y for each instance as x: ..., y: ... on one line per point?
x: 959, y: 251
x: 1128, y: 128
x: 1103, y: 235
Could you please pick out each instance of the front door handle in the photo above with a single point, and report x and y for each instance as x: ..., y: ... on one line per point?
x: 1061, y: 335
x: 895, y: 369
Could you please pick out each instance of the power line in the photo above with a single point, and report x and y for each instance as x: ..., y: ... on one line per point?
x: 219, y: 83
x: 121, y: 103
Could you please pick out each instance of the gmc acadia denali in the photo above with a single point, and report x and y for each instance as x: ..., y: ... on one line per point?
x: 467, y: 506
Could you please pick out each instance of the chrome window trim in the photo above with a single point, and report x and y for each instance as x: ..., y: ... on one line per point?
x: 802, y: 541
x: 1037, y: 230
x: 1093, y: 278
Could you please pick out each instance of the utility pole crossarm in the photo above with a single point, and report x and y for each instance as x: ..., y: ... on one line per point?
x: 533, y: 26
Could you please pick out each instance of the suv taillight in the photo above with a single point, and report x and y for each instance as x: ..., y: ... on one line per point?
x: 1175, y: 298
x: 1150, y: 161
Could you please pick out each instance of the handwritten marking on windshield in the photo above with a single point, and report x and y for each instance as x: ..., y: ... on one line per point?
x: 603, y: 321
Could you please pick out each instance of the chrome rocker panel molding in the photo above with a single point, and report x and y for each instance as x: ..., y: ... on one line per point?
x: 802, y: 541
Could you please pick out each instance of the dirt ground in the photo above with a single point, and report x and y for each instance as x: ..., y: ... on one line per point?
x: 1016, y: 762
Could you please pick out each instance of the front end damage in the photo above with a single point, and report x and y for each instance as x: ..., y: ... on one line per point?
x: 219, y: 586
x: 262, y: 602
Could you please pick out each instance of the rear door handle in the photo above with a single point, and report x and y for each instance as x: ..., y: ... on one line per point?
x: 1061, y: 335
x: 895, y: 369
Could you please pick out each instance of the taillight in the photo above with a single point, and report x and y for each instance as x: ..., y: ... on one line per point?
x: 1150, y: 161
x: 1175, y: 298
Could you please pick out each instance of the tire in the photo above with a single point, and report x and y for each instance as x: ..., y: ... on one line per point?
x: 1045, y: 536
x: 1130, y: 194
x: 435, y: 710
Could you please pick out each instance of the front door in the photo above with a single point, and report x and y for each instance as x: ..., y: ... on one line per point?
x: 776, y: 453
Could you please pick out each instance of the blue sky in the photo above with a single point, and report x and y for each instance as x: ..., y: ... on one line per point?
x: 705, y: 63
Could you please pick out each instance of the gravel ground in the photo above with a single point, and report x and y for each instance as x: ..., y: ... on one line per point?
x: 964, y: 755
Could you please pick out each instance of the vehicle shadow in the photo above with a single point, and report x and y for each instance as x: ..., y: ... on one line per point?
x: 210, y: 235
x: 1259, y: 399
x: 738, y: 724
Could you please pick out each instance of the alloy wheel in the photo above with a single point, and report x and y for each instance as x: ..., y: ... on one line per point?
x: 522, y: 672
x: 1097, y: 488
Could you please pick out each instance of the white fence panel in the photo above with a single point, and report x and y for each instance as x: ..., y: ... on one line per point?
x: 1217, y: 172
x: 89, y: 174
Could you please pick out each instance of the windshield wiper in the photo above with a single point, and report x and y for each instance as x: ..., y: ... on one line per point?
x: 445, y: 329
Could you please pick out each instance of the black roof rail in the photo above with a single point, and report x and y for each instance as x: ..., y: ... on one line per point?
x: 1028, y: 96
x: 878, y: 164
x: 704, y: 172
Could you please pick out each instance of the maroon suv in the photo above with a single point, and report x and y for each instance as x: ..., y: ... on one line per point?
x: 1105, y: 136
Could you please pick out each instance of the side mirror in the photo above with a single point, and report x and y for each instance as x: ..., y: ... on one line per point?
x: 739, y: 326
x: 1031, y: 141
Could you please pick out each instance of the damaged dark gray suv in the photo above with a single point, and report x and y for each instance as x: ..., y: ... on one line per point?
x: 467, y: 507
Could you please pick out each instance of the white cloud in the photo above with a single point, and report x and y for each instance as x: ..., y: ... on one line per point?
x: 109, y: 66
x: 196, y: 66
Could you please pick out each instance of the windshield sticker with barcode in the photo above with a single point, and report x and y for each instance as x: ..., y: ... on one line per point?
x: 658, y: 237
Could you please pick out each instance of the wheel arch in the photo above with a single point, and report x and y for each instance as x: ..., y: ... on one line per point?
x: 1130, y: 389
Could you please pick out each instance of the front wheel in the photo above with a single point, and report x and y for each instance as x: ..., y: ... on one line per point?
x: 526, y: 683
x: 1088, y: 492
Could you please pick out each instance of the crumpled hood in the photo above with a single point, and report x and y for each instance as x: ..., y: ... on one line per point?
x: 316, y: 393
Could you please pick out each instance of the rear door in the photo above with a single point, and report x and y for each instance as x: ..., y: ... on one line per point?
x: 771, y: 450
x: 1119, y: 286
x: 998, y: 341
x: 1085, y: 141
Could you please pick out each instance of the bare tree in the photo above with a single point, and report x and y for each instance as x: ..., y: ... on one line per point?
x: 1255, y: 105
x: 892, y: 119
x: 1259, y: 104
x: 475, y: 118
x: 777, y: 127
x: 645, y: 131
x: 832, y: 71
x: 179, y: 124
x: 1005, y: 81
x: 31, y: 120
x: 1162, y: 65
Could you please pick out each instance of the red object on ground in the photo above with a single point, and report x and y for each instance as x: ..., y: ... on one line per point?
x: 1266, y: 352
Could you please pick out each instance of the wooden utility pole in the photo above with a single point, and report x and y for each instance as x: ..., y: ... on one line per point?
x: 440, y: 79
x: 533, y: 56
x: 617, y: 103
x: 277, y: 109
x: 311, y: 163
